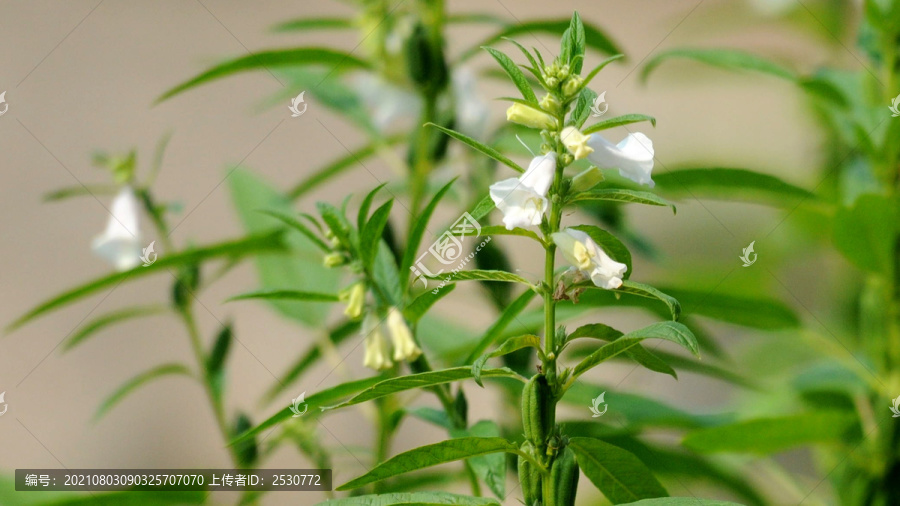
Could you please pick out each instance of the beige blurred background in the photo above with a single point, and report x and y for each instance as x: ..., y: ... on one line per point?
x: 81, y: 76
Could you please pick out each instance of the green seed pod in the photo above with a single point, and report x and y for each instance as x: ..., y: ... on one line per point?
x: 529, y: 477
x: 564, y: 477
x: 537, y: 410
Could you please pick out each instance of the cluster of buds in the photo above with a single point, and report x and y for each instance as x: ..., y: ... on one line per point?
x: 561, y: 78
x: 378, y: 349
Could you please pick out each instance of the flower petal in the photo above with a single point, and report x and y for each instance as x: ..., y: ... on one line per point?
x: 633, y: 156
x: 540, y: 173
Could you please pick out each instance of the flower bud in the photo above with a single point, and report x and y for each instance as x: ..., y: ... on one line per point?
x: 377, y: 354
x: 552, y: 82
x: 572, y: 85
x: 550, y: 103
x: 404, y: 346
x: 587, y: 180
x: 355, y: 297
x: 334, y: 259
x: 576, y: 142
x: 530, y: 117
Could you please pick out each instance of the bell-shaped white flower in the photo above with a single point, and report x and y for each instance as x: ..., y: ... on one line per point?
x: 523, y: 200
x: 378, y: 350
x: 633, y: 156
x: 404, y: 346
x: 588, y: 257
x: 355, y: 297
x: 120, y: 243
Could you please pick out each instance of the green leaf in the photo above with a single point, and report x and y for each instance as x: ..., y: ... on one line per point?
x: 363, y: 215
x: 501, y: 230
x: 287, y: 295
x: 418, y: 307
x: 518, y: 78
x: 724, y: 58
x: 480, y: 275
x: 370, y: 235
x: 649, y: 292
x: 610, y: 243
x: 314, y: 402
x: 233, y: 249
x: 510, y: 345
x: 590, y: 77
x: 482, y: 208
x: 618, y: 121
x: 299, y: 227
x: 432, y: 455
x: 717, y: 183
x: 135, y: 382
x: 495, y: 331
x: 670, y: 331
x: 215, y: 361
x: 681, y: 501
x: 80, y: 191
x: 411, y: 499
x: 339, y: 165
x: 415, y: 236
x: 268, y: 60
x: 596, y: 331
x: 578, y: 43
x: 747, y: 310
x: 304, y: 24
x: 617, y: 473
x: 478, y: 146
x: 636, y: 353
x: 866, y: 233
x: 386, y: 276
x: 627, y: 196
x: 97, y: 324
x: 770, y: 435
x: 593, y: 36
x: 420, y: 380
x: 301, y: 267
x: 582, y: 109
x: 492, y: 467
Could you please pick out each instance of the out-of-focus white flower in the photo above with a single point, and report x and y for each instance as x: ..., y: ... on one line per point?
x: 588, y: 257
x: 523, y: 200
x: 404, y: 346
x: 471, y: 110
x: 576, y: 142
x: 378, y: 351
x: 120, y: 243
x: 633, y: 156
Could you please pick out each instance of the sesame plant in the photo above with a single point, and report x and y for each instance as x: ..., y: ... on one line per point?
x: 838, y: 388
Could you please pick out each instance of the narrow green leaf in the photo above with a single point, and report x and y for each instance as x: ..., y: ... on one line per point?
x: 80, y: 191
x: 304, y: 24
x: 681, y: 501
x: 595, y: 331
x: 233, y: 249
x: 866, y: 233
x: 97, y: 324
x: 492, y: 467
x: 611, y: 244
x: 482, y: 208
x: 754, y: 311
x: 579, y: 42
x: 771, y: 435
x: 294, y: 57
x: 481, y: 275
x: 637, y: 353
x: 618, y: 121
x: 386, y: 275
x: 411, y: 499
x: 717, y: 183
x: 617, y: 473
x: 215, y: 362
x: 296, y: 225
x: 421, y: 380
x: 485, y: 149
x: 495, y: 331
x: 432, y: 455
x: 518, y: 78
x: 590, y: 77
x: 582, y: 109
x: 415, y: 236
x: 594, y: 37
x: 510, y: 345
x: 135, y: 382
x: 670, y: 331
x: 336, y: 220
x: 314, y: 403
x: 725, y: 58
x: 363, y: 215
x: 648, y: 291
x: 418, y: 307
x: 287, y: 295
x: 370, y: 235
x: 627, y: 196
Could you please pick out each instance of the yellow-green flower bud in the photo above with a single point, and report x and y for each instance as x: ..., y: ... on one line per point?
x: 404, y: 345
x: 530, y: 117
x: 587, y: 179
x: 572, y: 86
x: 355, y: 297
x: 550, y: 103
x: 334, y: 259
x: 552, y: 82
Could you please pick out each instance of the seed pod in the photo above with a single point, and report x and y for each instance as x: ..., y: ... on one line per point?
x: 529, y: 477
x: 537, y: 410
x: 564, y: 477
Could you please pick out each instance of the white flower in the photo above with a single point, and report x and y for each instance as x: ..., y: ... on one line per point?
x: 633, y: 156
x: 378, y: 351
x: 588, y: 257
x: 523, y: 200
x: 404, y: 346
x: 576, y: 142
x: 120, y: 242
